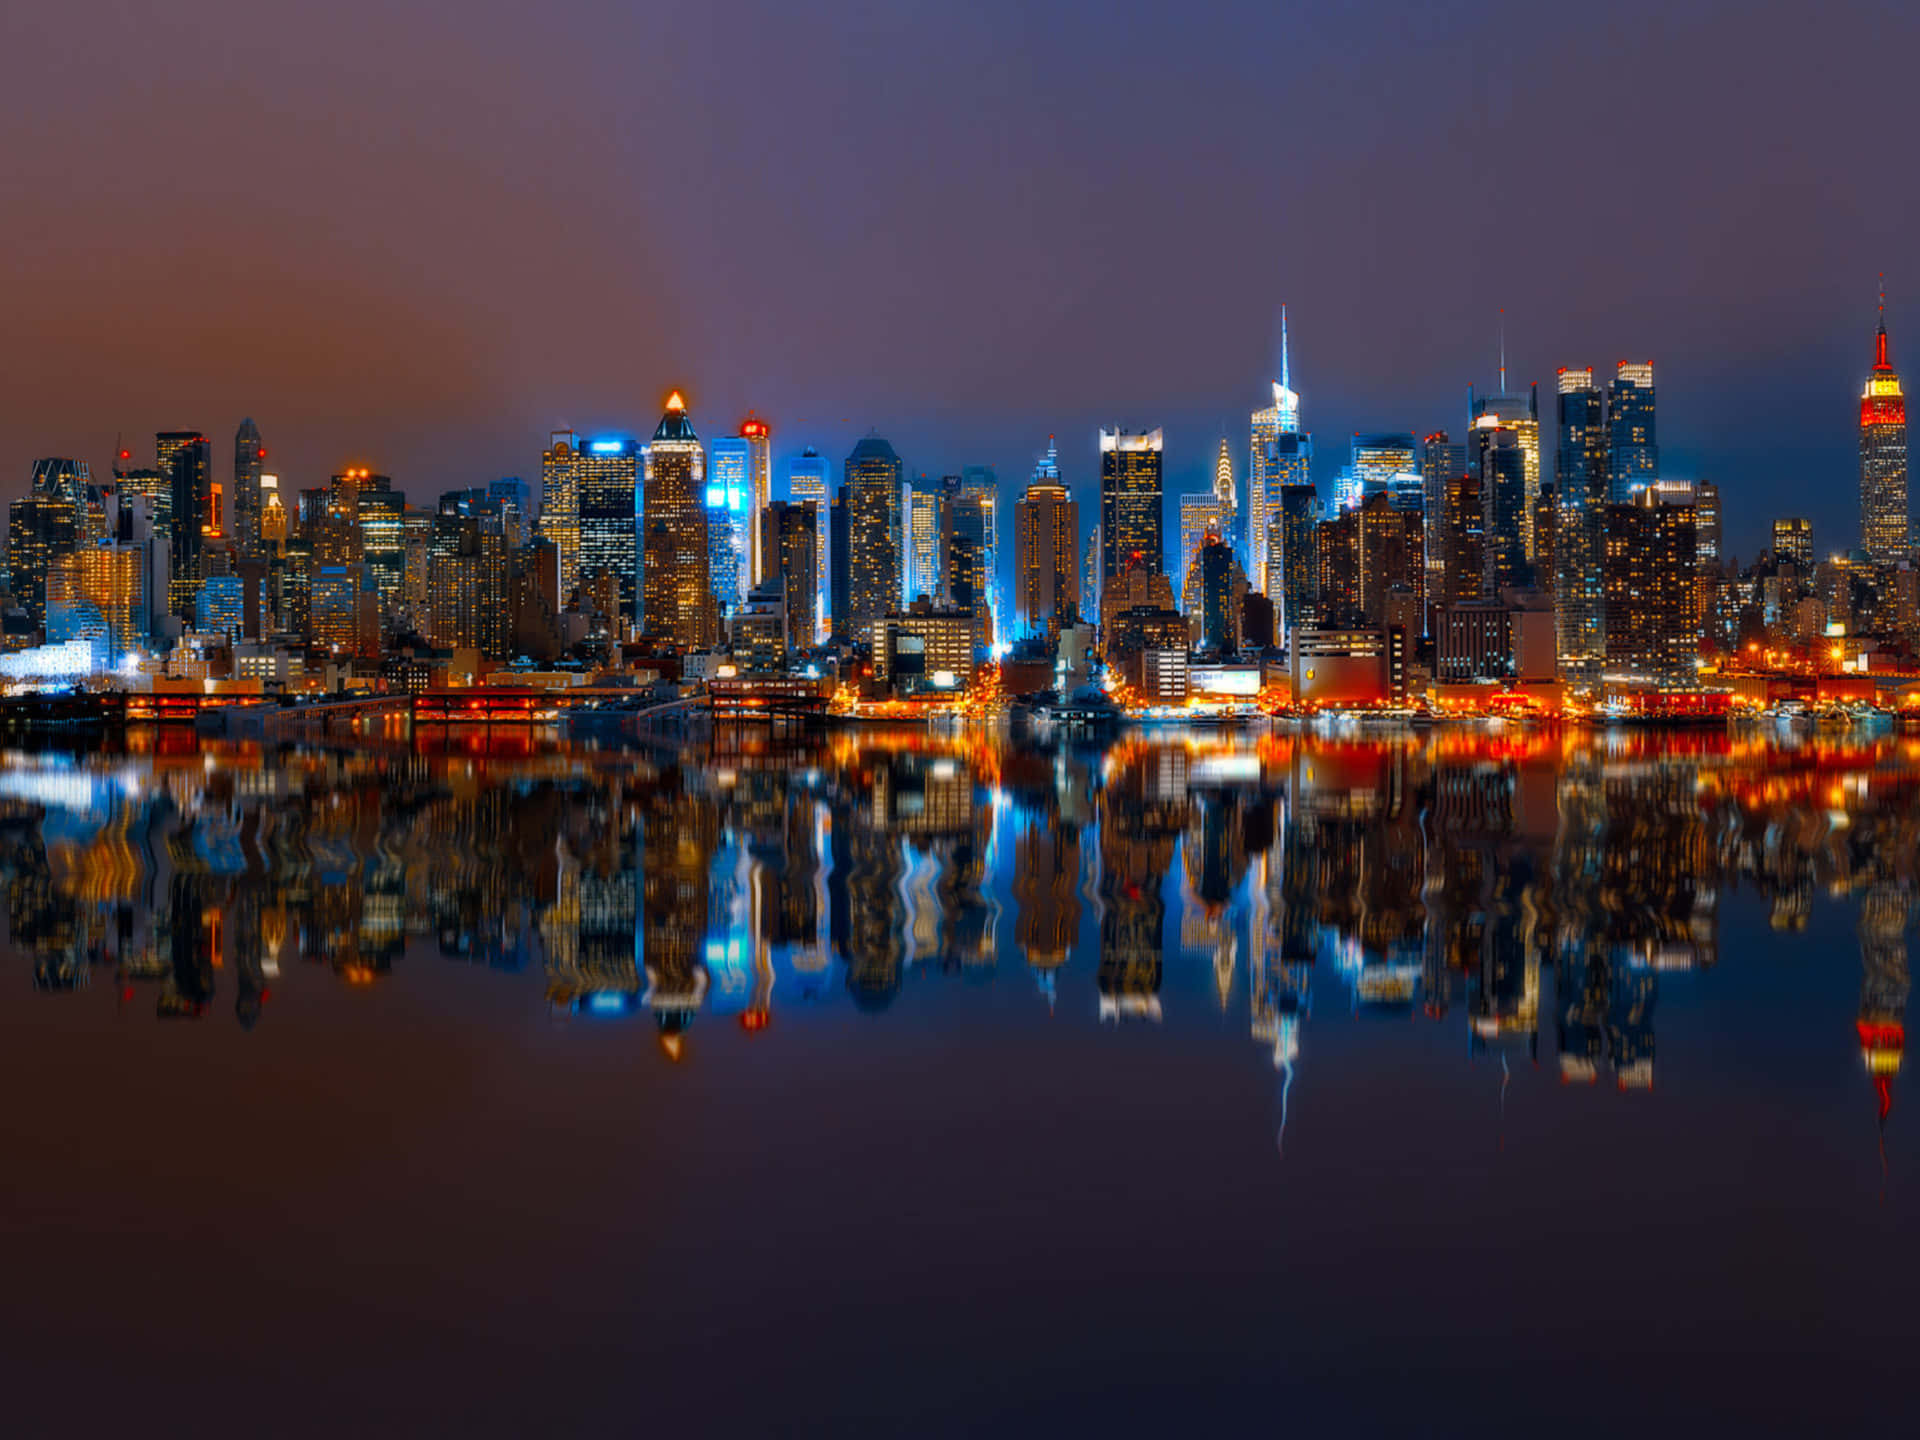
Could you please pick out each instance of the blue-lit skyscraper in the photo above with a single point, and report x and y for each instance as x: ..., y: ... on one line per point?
x: 729, y: 519
x: 1281, y: 455
x: 1634, y: 461
x: 807, y: 485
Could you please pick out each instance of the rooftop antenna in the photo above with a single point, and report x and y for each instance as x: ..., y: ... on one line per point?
x: 1283, y: 344
x: 1503, y: 349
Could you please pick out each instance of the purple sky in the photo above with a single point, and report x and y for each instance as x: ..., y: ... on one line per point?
x: 419, y: 236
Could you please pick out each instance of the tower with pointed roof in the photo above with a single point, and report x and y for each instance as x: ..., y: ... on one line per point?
x: 1280, y: 455
x: 677, y: 604
x: 1883, y: 457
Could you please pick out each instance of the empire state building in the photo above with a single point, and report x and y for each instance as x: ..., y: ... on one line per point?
x: 1883, y: 459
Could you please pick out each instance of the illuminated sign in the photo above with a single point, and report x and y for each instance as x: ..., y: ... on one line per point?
x: 726, y: 497
x: 945, y: 679
x: 607, y: 447
x: 1240, y: 680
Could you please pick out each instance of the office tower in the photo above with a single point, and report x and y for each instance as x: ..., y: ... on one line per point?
x: 1440, y: 461
x: 510, y: 493
x: 981, y: 486
x: 100, y: 592
x: 1293, y: 565
x: 1226, y: 494
x: 220, y: 607
x: 1652, y: 631
x: 1218, y: 608
x: 1392, y: 564
x: 679, y: 606
x: 1506, y: 511
x: 1793, y: 542
x: 1337, y: 578
x: 606, y: 488
x: 468, y: 582
x: 1519, y: 416
x: 1046, y: 575
x: 807, y: 485
x: 870, y: 493
x: 1465, y: 537
x: 273, y: 514
x: 789, y: 541
x: 186, y: 458
x: 1384, y: 464
x: 1581, y: 495
x: 1280, y: 454
x: 923, y: 575
x: 731, y: 547
x: 1130, y: 505
x: 964, y: 522
x: 58, y: 478
x: 155, y: 489
x: 1633, y: 461
x: 560, y: 465
x: 1200, y: 516
x: 1883, y: 458
x: 380, y: 512
x: 759, y: 438
x: 40, y: 530
x: 248, y: 453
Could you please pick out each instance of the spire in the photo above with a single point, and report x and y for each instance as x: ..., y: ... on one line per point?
x: 1880, y: 361
x: 1283, y: 344
x: 1503, y: 349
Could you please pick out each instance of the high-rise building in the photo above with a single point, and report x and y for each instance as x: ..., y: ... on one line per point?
x: 1046, y: 575
x: 1280, y: 454
x: 468, y: 582
x: 1518, y: 415
x: 248, y: 455
x: 1884, y: 524
x: 1506, y: 510
x: 1581, y: 490
x: 923, y: 575
x: 1633, y: 460
x: 1386, y: 464
x: 790, y: 537
x: 560, y: 466
x: 100, y: 592
x: 1440, y: 461
x: 1226, y: 494
x: 840, y: 583
x: 1218, y: 608
x: 58, y: 478
x: 186, y: 458
x: 963, y: 546
x: 1131, y: 505
x: 380, y: 512
x: 759, y: 438
x: 1652, y: 607
x: 40, y: 530
x: 606, y: 479
x: 510, y: 493
x: 807, y: 485
x: 1465, y: 539
x: 731, y: 550
x: 1392, y: 554
x: 870, y: 494
x: 1793, y: 542
x: 274, y: 525
x: 679, y: 606
x: 1293, y: 564
x: 1200, y: 516
x: 981, y: 488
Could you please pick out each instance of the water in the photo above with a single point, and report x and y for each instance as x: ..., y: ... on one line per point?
x: 1471, y: 1084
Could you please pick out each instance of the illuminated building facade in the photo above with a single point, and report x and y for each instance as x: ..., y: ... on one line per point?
x: 1793, y: 542
x: 101, y: 590
x: 1883, y: 458
x: 1652, y: 629
x: 1506, y: 510
x: 1581, y: 493
x: 1293, y: 566
x: 560, y: 465
x: 678, y: 604
x: 186, y: 458
x: 789, y: 542
x: 925, y: 648
x: 870, y: 497
x: 249, y: 453
x: 759, y: 438
x: 1219, y: 610
x: 607, y: 484
x: 274, y: 526
x: 966, y: 519
x: 1279, y: 454
x: 467, y: 584
x: 1200, y: 516
x: 923, y: 543
x: 1633, y: 460
x: 1046, y: 572
x: 1465, y: 538
x: 731, y: 550
x: 1517, y: 417
x: 40, y: 530
x: 807, y: 485
x: 380, y: 515
x: 1131, y: 505
x: 981, y: 488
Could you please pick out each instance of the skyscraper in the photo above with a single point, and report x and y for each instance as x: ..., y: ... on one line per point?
x: 1293, y: 569
x: 1130, y: 505
x: 923, y: 543
x: 58, y: 478
x: 248, y: 453
x: 788, y: 542
x: 870, y: 494
x: 1200, y: 516
x: 1506, y: 508
x: 1275, y: 459
x: 380, y: 515
x: 1581, y: 492
x: 560, y: 505
x: 1652, y: 629
x: 40, y: 531
x: 1440, y: 461
x: 731, y: 548
x: 1226, y: 494
x: 807, y: 485
x: 1793, y: 542
x: 1046, y: 575
x: 186, y: 458
x: 678, y: 605
x: 1633, y: 464
x: 1520, y: 415
x: 980, y: 486
x: 606, y: 488
x: 1883, y: 458
x: 759, y: 438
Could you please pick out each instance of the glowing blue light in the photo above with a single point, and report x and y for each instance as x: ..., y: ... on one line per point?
x: 606, y: 447
x: 607, y: 1002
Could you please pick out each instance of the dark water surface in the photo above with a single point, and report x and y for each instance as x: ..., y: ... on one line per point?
x: 1465, y: 1085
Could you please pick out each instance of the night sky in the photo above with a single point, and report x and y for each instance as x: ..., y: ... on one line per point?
x: 419, y: 236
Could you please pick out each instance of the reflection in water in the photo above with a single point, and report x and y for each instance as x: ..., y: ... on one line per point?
x: 1528, y: 889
